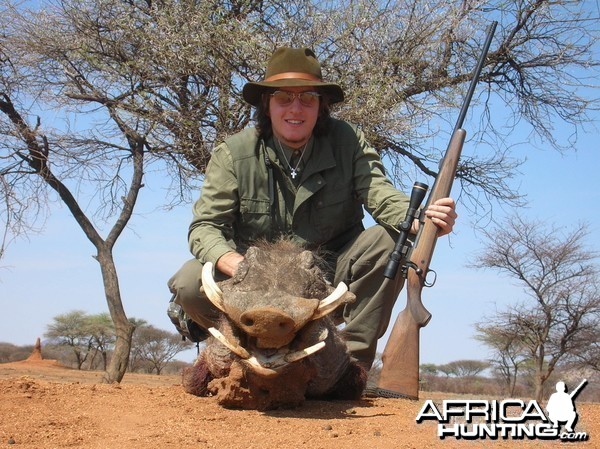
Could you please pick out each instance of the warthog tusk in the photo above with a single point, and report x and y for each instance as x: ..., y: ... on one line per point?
x: 329, y: 304
x: 235, y: 348
x: 260, y: 364
x: 212, y: 290
x: 255, y: 366
x: 271, y: 366
x: 299, y: 355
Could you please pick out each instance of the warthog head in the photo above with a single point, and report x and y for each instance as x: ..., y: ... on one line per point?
x: 276, y: 343
x: 276, y: 291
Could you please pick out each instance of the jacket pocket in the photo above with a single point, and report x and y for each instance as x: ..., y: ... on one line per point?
x: 334, y: 216
x: 255, y: 219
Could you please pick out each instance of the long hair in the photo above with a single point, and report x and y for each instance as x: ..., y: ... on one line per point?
x: 263, y: 121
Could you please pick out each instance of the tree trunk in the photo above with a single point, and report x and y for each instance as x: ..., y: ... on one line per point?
x: 513, y: 383
x: 123, y: 327
x: 539, y: 373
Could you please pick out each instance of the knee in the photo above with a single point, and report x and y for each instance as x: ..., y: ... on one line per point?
x: 368, y: 253
x: 186, y: 282
x: 373, y: 246
x: 377, y: 239
x: 185, y: 285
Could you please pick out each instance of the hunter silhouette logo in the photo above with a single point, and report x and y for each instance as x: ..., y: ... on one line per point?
x: 472, y: 419
x: 561, y: 406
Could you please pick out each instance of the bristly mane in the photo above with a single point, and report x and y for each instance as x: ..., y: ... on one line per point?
x: 283, y: 244
x: 288, y: 246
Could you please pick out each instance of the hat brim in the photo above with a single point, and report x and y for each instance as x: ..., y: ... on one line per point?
x: 252, y: 92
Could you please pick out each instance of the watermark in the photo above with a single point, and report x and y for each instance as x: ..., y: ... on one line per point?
x: 515, y: 419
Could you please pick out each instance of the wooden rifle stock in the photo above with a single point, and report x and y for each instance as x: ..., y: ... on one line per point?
x: 400, y: 372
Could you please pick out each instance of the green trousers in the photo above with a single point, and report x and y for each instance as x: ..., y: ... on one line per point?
x: 359, y: 264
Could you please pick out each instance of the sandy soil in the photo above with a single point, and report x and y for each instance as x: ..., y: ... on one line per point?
x: 44, y: 405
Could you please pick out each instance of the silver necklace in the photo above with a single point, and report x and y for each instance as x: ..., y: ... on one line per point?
x: 294, y: 171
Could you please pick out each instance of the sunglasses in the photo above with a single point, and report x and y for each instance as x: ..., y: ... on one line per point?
x: 284, y: 98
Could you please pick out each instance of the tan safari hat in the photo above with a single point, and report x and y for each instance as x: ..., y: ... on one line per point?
x: 291, y: 67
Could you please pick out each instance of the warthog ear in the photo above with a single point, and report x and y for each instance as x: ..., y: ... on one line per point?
x: 240, y: 272
x: 250, y: 258
x: 306, y: 260
x: 252, y: 253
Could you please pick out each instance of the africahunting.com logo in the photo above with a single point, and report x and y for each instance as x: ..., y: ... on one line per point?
x: 515, y: 419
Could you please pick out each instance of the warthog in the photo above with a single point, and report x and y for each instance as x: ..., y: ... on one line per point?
x: 275, y: 345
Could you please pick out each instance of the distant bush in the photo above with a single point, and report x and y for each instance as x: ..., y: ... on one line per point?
x: 13, y: 353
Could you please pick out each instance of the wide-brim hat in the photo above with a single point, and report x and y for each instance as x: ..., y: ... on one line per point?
x: 292, y: 67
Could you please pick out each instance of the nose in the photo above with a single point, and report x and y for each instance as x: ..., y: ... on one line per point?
x: 267, y: 322
x: 295, y: 104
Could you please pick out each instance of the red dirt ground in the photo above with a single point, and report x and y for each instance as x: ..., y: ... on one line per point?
x: 44, y: 405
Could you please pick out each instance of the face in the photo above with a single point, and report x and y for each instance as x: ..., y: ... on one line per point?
x: 293, y: 124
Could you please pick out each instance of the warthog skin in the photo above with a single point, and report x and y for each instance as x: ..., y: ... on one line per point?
x: 270, y: 310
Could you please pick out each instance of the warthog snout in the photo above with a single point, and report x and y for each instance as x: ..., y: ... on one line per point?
x: 267, y: 322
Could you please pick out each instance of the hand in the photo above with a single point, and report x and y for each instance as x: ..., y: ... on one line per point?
x: 229, y: 262
x: 443, y: 215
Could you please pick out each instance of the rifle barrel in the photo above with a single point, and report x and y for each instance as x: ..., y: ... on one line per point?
x: 486, y: 46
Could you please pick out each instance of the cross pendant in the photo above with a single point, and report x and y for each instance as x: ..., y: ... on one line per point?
x: 293, y: 173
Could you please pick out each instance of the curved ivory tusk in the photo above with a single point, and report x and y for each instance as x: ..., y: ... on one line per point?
x: 255, y: 366
x: 272, y: 366
x: 298, y: 355
x: 329, y: 304
x: 265, y: 366
x: 235, y: 348
x: 212, y: 290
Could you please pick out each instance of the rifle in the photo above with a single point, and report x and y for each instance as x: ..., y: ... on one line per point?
x: 400, y: 372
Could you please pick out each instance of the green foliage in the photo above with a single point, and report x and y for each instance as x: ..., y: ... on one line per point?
x: 154, y: 348
x: 428, y: 369
x: 90, y: 339
x: 86, y: 335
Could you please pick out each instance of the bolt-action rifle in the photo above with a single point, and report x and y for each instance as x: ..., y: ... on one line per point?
x: 400, y: 372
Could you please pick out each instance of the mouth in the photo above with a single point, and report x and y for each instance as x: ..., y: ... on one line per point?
x: 268, y: 363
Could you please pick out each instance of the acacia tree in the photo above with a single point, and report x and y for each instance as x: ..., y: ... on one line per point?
x: 560, y: 278
x: 508, y: 351
x: 102, y: 330
x: 589, y: 357
x: 72, y: 330
x: 468, y: 368
x: 95, y: 92
x: 157, y: 347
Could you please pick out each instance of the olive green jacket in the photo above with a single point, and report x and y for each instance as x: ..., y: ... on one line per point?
x: 324, y: 211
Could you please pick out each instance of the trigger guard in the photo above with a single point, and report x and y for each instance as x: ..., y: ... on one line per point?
x: 427, y: 281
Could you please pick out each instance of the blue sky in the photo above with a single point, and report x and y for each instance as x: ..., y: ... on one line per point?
x: 54, y: 272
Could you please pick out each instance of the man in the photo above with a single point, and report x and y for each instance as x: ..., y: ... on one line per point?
x: 303, y: 175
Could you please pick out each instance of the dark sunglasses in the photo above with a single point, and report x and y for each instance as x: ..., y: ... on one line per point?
x: 284, y: 98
